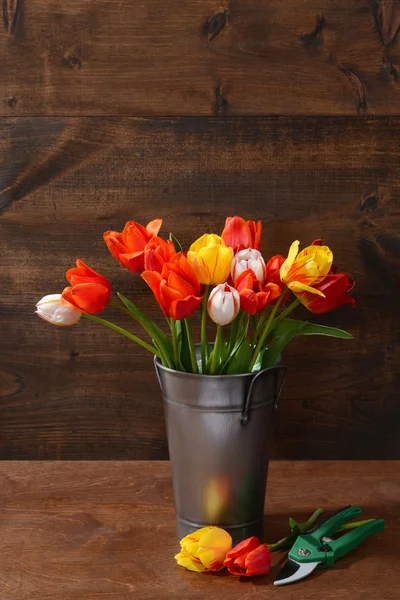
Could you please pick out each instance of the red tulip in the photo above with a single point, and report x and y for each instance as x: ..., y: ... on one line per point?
x: 157, y: 252
x: 176, y: 288
x: 89, y: 291
x: 273, y: 268
x: 240, y: 234
x: 254, y: 296
x: 249, y: 558
x: 128, y: 247
x: 335, y: 288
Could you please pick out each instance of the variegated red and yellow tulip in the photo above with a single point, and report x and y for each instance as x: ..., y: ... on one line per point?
x: 129, y: 245
x: 211, y: 259
x: 176, y: 288
x: 240, y: 234
x: 254, y: 297
x: 89, y: 291
x: 248, y: 558
x: 302, y: 271
x: 204, y: 550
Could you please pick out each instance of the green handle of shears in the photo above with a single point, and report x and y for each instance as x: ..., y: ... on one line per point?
x: 333, y: 522
x: 355, y: 537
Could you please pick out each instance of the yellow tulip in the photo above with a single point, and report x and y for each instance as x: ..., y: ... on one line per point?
x: 210, y: 259
x: 301, y: 271
x: 204, y: 550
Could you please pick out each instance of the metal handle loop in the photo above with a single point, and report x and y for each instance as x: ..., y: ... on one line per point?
x: 246, y: 409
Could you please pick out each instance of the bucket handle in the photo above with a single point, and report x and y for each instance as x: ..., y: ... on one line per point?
x: 246, y: 409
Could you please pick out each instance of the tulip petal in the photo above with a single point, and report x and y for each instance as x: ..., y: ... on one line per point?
x: 115, y: 243
x: 248, y: 301
x: 133, y: 261
x: 153, y: 280
x: 297, y: 286
x: 258, y: 561
x: 287, y: 265
x: 135, y: 236
x: 222, y: 266
x: 180, y: 285
x: 183, y: 308
x: 87, y: 297
x: 154, y: 227
x: 190, y: 562
x: 82, y: 273
x: 237, y: 233
x: 199, y: 267
x: 242, y: 548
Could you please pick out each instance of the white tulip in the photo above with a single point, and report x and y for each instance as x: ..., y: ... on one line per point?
x: 51, y: 310
x: 223, y: 304
x: 248, y: 259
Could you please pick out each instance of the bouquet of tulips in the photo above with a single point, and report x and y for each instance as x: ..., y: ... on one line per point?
x: 223, y: 278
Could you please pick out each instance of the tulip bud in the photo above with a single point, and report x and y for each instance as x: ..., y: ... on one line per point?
x: 249, y: 558
x: 204, y: 550
x: 55, y: 311
x: 223, y: 304
x: 248, y: 259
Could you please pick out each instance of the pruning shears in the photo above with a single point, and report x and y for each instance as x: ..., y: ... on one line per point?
x: 316, y: 548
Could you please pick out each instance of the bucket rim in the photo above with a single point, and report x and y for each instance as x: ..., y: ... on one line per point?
x: 158, y: 365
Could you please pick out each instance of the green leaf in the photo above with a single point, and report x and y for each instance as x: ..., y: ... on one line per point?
x: 289, y: 325
x: 272, y: 353
x: 241, y: 359
x: 175, y: 242
x: 241, y: 337
x: 153, y: 330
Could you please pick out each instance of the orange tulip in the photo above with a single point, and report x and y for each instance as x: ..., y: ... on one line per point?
x: 204, y: 550
x: 128, y: 247
x: 89, y: 291
x: 254, y: 296
x: 157, y: 252
x: 249, y: 558
x: 176, y: 288
x: 240, y: 234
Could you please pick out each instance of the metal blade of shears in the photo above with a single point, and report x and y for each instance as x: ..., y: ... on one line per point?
x: 293, y: 571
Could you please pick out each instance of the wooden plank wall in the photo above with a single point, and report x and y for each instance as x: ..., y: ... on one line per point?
x: 189, y: 111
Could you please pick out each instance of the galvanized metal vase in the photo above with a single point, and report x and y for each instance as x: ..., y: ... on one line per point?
x: 219, y: 428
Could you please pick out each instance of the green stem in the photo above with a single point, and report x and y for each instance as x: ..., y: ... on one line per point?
x: 124, y: 332
x: 192, y: 349
x: 267, y: 328
x: 354, y: 524
x: 205, y: 351
x: 288, y: 541
x: 258, y: 329
x: 287, y: 311
x: 215, y: 354
x: 151, y: 328
x: 175, y: 344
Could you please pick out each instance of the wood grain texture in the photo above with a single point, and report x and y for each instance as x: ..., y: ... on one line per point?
x: 199, y: 57
x: 87, y: 393
x: 85, y: 531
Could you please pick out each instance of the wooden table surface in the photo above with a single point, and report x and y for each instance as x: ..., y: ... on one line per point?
x: 105, y: 531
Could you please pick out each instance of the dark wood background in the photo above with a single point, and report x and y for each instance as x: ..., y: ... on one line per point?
x: 191, y: 111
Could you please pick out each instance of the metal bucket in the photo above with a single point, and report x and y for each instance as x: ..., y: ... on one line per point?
x: 219, y: 428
